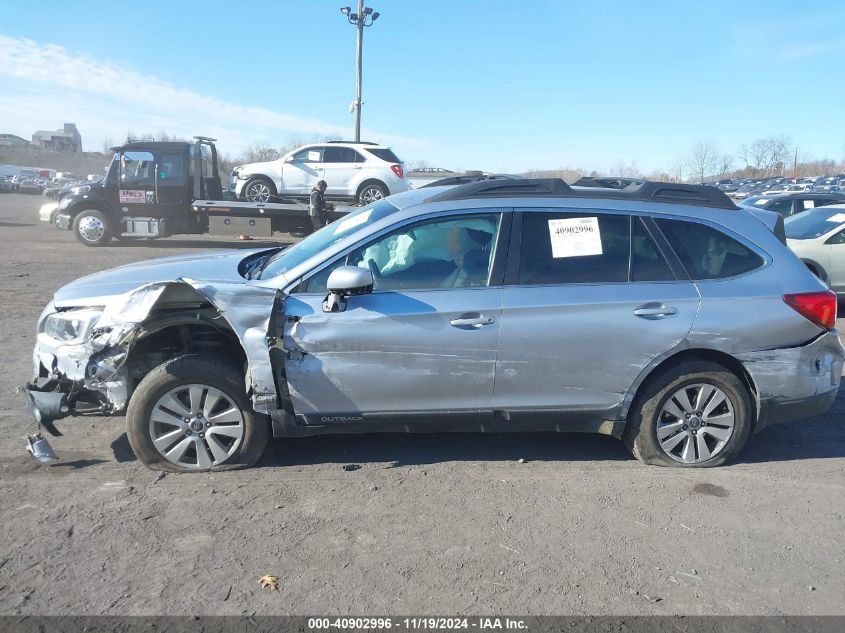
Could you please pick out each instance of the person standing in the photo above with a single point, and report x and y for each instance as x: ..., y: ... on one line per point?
x: 318, y: 208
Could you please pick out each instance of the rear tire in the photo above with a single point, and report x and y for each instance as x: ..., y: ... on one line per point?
x: 197, y: 409
x: 371, y: 192
x: 92, y: 228
x: 710, y: 430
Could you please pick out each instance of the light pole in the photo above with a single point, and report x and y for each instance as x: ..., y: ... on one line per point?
x: 364, y: 17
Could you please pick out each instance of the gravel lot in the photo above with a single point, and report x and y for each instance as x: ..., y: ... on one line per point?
x: 451, y: 524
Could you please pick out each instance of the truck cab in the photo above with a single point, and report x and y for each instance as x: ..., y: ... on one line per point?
x: 147, y: 192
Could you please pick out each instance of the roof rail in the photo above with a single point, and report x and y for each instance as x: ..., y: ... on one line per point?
x: 510, y: 187
x: 644, y: 191
x: 353, y: 142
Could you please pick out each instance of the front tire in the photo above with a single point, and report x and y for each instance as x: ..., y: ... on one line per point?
x: 260, y: 189
x: 92, y: 228
x: 192, y: 414
x: 371, y: 192
x: 696, y: 414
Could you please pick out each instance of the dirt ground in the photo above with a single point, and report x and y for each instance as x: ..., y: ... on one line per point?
x: 450, y: 524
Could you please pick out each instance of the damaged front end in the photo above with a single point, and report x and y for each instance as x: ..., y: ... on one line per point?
x: 80, y: 357
x: 84, y: 358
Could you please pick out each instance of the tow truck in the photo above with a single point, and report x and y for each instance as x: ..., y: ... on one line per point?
x: 156, y: 189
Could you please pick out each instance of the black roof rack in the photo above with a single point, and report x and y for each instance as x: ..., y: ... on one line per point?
x: 645, y: 191
x: 354, y: 142
x: 607, y: 182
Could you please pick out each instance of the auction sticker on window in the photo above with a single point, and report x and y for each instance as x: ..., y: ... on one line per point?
x: 575, y: 237
x: 133, y: 195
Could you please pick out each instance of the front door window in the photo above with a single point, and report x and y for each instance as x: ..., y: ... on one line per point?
x: 445, y: 253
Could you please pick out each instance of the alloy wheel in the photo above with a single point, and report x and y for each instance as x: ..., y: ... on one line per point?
x: 371, y: 194
x: 258, y: 192
x: 695, y: 423
x: 196, y: 426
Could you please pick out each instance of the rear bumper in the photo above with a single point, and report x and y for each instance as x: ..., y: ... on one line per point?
x: 796, y: 382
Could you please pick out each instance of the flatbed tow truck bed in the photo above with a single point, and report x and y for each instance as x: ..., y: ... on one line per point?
x: 258, y: 219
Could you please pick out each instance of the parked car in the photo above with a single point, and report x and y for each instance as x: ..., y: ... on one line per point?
x: 31, y: 186
x: 54, y: 188
x: 6, y: 185
x: 661, y: 314
x: 827, y: 188
x: 775, y: 189
x: 791, y: 203
x: 818, y: 238
x: 363, y: 172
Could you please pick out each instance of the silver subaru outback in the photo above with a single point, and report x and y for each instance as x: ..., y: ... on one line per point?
x: 660, y: 314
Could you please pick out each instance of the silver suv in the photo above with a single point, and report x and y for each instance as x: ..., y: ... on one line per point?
x: 660, y: 314
x: 357, y: 172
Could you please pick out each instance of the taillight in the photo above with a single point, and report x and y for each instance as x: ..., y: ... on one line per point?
x: 818, y: 307
x: 397, y: 169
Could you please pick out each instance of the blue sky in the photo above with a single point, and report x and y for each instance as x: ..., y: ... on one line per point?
x: 501, y: 86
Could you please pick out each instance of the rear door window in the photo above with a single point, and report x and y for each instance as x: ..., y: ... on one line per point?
x: 341, y: 155
x: 569, y: 248
x: 707, y: 253
x: 647, y: 262
x: 171, y: 168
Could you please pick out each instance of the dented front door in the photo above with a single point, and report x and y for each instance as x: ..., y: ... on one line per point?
x: 391, y: 355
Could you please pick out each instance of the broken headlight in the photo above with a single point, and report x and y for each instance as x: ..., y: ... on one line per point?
x: 72, y: 326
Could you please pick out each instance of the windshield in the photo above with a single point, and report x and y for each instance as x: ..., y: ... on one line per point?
x: 812, y: 224
x: 325, y: 238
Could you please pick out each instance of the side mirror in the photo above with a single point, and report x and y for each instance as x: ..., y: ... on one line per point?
x: 346, y: 281
x: 289, y: 159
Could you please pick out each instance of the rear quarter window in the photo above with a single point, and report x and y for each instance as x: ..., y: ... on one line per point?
x: 384, y: 153
x: 707, y: 253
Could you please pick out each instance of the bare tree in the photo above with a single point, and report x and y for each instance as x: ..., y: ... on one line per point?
x: 703, y: 159
x: 765, y: 156
x: 624, y: 170
x: 724, y: 165
x: 259, y: 152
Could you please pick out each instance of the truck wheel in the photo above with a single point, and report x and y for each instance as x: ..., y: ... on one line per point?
x: 696, y: 414
x: 192, y: 414
x: 259, y: 189
x: 92, y: 228
x: 371, y: 192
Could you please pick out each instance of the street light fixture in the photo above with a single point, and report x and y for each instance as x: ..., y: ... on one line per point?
x: 364, y: 17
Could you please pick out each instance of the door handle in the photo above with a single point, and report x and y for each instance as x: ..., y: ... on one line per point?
x: 467, y: 321
x: 655, y: 311
x: 358, y: 167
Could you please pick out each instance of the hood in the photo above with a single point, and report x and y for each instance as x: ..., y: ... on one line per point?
x: 101, y: 288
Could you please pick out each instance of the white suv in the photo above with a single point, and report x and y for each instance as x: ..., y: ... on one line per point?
x: 360, y: 172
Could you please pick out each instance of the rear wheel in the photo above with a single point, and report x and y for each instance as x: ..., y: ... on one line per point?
x: 695, y: 414
x: 371, y: 192
x: 192, y: 414
x: 260, y: 189
x: 92, y: 228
